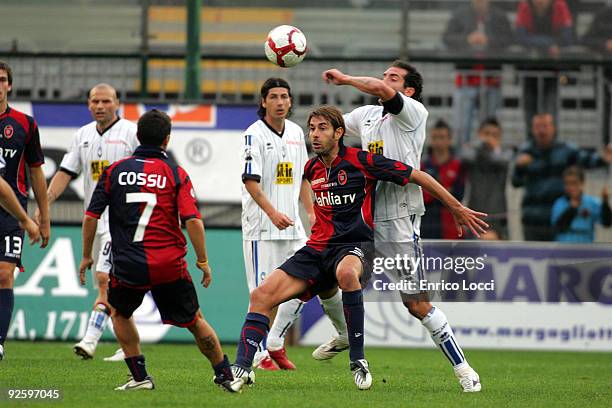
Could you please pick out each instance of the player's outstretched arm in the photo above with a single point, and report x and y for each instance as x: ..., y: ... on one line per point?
x: 9, y: 202
x: 280, y: 220
x: 39, y: 187
x: 369, y: 85
x: 463, y: 216
x: 90, y: 225
x: 195, y: 230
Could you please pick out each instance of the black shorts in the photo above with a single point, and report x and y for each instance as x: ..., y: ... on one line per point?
x: 318, y: 269
x: 176, y: 301
x: 11, y: 246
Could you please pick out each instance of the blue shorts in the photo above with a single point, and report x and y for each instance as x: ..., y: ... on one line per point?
x: 318, y: 268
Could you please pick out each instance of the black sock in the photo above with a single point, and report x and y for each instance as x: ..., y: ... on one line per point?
x: 223, y: 370
x: 7, y: 301
x: 137, y: 367
x: 354, y: 315
x: 254, y: 330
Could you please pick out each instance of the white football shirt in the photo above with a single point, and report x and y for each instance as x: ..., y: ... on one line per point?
x: 277, y: 162
x: 91, y: 152
x: 399, y: 137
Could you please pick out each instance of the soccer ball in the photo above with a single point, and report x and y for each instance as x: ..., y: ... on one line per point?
x: 285, y: 46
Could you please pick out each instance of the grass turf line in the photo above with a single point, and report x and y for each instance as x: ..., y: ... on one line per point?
x: 402, y: 377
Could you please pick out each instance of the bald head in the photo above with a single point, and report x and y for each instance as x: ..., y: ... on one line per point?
x: 103, y: 87
x: 103, y: 105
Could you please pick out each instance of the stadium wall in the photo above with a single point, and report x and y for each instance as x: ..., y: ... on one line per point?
x: 50, y: 304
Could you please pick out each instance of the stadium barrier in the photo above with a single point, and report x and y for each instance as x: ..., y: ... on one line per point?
x: 50, y: 304
x: 528, y: 308
x: 532, y: 295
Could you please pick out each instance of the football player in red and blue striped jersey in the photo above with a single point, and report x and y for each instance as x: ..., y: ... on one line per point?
x: 147, y: 194
x: 340, y: 249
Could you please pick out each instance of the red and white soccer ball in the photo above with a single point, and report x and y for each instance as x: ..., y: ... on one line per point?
x: 285, y: 46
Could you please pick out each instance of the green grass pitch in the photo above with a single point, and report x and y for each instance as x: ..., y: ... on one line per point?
x: 402, y: 378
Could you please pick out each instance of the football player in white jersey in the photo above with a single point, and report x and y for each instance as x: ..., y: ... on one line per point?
x: 95, y: 146
x: 396, y: 128
x: 273, y: 160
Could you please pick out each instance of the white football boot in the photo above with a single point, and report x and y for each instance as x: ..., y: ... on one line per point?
x: 469, y: 379
x: 85, y: 349
x: 118, y: 356
x: 334, y: 346
x: 146, y: 384
x: 246, y: 376
x: 361, y: 374
x: 1, y: 352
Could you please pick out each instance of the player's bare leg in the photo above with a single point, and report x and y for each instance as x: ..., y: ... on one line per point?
x: 442, y: 335
x: 278, y: 287
x: 348, y: 273
x: 98, y: 319
x: 209, y: 345
x: 127, y: 335
x: 7, y: 300
x: 331, y: 301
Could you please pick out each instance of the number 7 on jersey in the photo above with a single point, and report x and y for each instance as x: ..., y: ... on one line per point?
x: 151, y: 200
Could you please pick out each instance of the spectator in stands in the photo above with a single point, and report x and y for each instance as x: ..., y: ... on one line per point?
x: 441, y: 164
x: 599, y: 38
x: 538, y: 167
x: 487, y: 171
x: 476, y: 30
x: 543, y: 26
x: 575, y: 214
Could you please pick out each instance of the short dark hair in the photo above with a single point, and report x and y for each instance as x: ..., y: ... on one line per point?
x: 153, y: 128
x: 265, y: 89
x: 412, y: 79
x: 442, y: 124
x: 330, y: 113
x: 574, y: 171
x: 490, y: 121
x: 9, y: 72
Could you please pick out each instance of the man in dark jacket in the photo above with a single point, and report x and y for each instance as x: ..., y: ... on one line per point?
x: 538, y: 167
x: 475, y: 30
x: 599, y: 38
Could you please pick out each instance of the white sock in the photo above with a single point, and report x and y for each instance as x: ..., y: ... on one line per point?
x: 97, y: 322
x: 442, y: 335
x: 335, y: 311
x: 260, y: 355
x: 286, y: 315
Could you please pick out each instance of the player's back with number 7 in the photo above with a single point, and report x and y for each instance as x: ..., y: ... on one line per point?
x: 146, y: 194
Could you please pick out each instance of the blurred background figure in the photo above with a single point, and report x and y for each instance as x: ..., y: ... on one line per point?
x: 599, y: 38
x: 487, y: 165
x: 575, y: 214
x: 441, y: 163
x: 538, y: 167
x: 477, y: 29
x: 543, y: 26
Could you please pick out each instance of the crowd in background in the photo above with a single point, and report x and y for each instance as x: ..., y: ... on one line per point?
x: 544, y: 28
x: 554, y: 205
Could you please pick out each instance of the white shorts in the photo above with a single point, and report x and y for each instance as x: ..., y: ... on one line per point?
x: 102, y: 245
x: 400, y: 236
x: 263, y: 257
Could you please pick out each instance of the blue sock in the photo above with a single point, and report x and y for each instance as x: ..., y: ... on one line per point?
x: 354, y: 315
x: 254, y: 330
x: 7, y: 301
x: 223, y: 370
x: 137, y: 367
